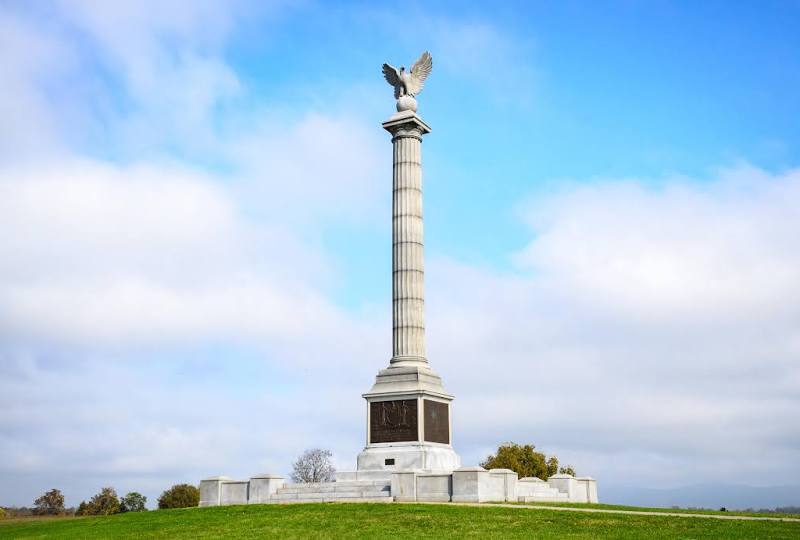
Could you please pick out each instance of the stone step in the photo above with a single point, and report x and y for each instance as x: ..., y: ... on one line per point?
x: 333, y: 500
x: 332, y: 489
x: 333, y: 495
x: 335, y: 487
x: 317, y: 496
x: 560, y: 497
x: 361, y: 483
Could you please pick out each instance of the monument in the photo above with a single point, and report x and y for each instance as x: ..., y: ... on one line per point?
x: 408, y: 454
x: 408, y: 409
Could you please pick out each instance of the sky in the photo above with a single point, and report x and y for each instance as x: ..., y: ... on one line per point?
x: 195, y: 250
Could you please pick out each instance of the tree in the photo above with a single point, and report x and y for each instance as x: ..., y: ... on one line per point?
x: 313, y: 466
x: 567, y: 470
x: 179, y: 496
x: 523, y: 460
x: 104, y: 503
x: 83, y: 509
x: 133, y: 502
x: 49, y: 504
x: 2, y: 514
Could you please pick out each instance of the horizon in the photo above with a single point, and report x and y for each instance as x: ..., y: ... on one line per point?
x: 195, y: 275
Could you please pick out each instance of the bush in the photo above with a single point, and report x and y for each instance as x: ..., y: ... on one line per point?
x: 2, y: 514
x: 82, y: 510
x: 49, y: 504
x: 104, y: 503
x: 133, y: 502
x: 179, y: 496
x: 524, y: 461
x: 567, y: 470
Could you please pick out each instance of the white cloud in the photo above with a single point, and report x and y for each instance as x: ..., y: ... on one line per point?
x: 653, y: 321
x: 679, y: 249
x: 152, y: 248
x: 101, y: 252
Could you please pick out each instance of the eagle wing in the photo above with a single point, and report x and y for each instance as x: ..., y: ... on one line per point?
x: 419, y: 72
x: 392, y: 76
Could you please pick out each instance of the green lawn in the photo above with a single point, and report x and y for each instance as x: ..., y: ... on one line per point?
x: 389, y: 521
x: 666, y: 510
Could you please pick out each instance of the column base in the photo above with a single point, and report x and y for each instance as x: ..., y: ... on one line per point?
x: 394, y: 457
x: 407, y: 377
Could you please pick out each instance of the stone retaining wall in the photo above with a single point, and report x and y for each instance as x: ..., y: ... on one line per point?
x: 467, y: 484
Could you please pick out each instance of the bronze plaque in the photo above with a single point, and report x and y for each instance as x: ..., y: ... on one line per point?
x: 437, y: 421
x: 393, y: 421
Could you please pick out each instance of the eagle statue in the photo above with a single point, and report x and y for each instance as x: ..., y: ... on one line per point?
x: 409, y: 83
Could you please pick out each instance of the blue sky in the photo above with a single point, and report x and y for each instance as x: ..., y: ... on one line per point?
x: 196, y: 198
x: 582, y: 92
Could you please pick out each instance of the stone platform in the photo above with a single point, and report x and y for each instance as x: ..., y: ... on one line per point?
x: 467, y: 484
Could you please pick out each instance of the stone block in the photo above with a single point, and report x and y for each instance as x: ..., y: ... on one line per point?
x: 434, y: 487
x: 470, y: 484
x: 346, y: 476
x: 590, y: 488
x: 565, y: 483
x: 233, y: 492
x: 506, y: 481
x: 263, y: 487
x: 210, y: 490
x: 496, y: 489
x: 404, y: 486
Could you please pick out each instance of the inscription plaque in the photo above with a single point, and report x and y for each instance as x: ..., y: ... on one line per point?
x: 393, y: 421
x: 437, y: 421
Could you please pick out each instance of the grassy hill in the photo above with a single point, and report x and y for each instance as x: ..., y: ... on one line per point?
x: 390, y: 521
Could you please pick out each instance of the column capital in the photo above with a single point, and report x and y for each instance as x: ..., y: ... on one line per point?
x: 406, y: 124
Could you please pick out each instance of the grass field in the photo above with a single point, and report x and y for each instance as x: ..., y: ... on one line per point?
x: 668, y: 510
x: 389, y: 521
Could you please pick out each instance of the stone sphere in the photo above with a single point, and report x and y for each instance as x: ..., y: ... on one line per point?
x: 406, y: 103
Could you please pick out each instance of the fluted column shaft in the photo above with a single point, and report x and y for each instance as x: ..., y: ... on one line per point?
x: 408, y: 297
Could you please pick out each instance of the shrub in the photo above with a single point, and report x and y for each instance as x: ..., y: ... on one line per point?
x: 82, y: 510
x: 523, y: 460
x: 104, y: 503
x: 133, y: 502
x: 179, y: 496
x: 49, y: 504
x: 567, y: 470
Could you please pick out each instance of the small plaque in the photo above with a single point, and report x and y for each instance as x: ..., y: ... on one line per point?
x: 437, y: 421
x: 393, y: 421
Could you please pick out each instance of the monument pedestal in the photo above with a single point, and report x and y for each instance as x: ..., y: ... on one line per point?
x: 408, y: 424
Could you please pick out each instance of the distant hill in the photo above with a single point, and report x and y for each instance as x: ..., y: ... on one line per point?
x: 714, y: 496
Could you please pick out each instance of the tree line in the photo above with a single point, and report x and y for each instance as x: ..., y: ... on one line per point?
x: 106, y: 502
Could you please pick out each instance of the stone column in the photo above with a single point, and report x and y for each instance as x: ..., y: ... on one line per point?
x: 408, y: 298
x: 400, y: 441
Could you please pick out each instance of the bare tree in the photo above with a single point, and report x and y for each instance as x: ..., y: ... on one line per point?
x: 313, y: 466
